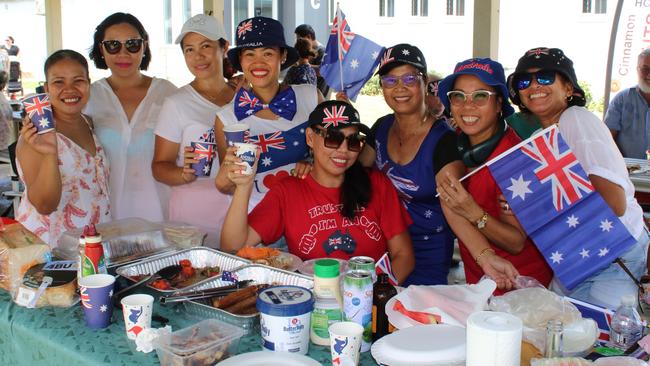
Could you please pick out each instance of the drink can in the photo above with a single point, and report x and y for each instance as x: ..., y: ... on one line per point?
x: 357, y: 303
x: 93, y: 260
x: 363, y: 263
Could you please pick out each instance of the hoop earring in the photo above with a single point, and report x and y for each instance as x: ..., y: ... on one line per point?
x: 569, y: 99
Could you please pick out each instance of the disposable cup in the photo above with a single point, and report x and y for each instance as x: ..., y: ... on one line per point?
x: 137, y: 311
x: 237, y: 132
x: 345, y: 339
x: 204, y: 152
x: 39, y: 110
x: 246, y: 152
x: 96, y: 293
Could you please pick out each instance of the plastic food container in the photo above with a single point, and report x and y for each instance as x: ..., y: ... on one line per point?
x: 285, y: 313
x: 204, y: 343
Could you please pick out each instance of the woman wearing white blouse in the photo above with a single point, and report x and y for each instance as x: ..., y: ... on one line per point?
x: 125, y: 108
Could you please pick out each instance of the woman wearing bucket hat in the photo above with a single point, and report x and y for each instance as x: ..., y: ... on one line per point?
x: 545, y: 85
x: 125, y: 108
x: 188, y: 116
x: 339, y: 210
x: 477, y: 97
x: 276, y: 115
x: 413, y: 149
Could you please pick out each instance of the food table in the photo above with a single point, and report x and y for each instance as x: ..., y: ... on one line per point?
x: 59, y: 336
x: 639, y: 175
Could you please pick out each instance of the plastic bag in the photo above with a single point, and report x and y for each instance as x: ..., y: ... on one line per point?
x: 183, y: 235
x: 20, y: 250
x: 535, y: 307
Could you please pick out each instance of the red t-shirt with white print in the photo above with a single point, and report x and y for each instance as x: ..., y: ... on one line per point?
x: 309, y: 217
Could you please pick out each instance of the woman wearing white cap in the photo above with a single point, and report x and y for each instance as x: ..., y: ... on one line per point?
x: 188, y: 116
x: 125, y: 108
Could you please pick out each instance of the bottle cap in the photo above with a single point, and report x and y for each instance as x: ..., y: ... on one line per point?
x: 326, y: 268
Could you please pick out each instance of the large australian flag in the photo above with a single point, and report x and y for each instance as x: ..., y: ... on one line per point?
x: 349, y: 59
x: 553, y: 199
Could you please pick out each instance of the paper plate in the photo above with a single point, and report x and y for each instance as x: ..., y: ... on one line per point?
x: 307, y: 267
x: 265, y: 358
x: 397, y: 319
x: 423, y: 345
x: 296, y: 262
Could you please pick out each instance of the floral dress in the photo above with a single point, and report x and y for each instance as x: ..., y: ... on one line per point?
x: 84, y: 193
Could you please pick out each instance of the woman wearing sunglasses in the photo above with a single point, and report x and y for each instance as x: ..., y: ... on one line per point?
x: 339, y: 210
x: 276, y: 115
x: 125, y: 108
x: 544, y: 84
x: 413, y: 149
x: 490, y: 241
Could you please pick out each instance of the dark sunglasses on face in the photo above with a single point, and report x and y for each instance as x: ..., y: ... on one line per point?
x: 390, y: 81
x: 333, y: 139
x: 478, y: 97
x: 114, y: 46
x: 543, y: 77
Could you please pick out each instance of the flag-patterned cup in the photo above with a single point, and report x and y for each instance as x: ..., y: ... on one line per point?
x: 237, y: 132
x: 96, y: 292
x: 204, y: 152
x: 39, y: 110
x: 246, y: 152
x: 345, y: 343
x: 137, y: 311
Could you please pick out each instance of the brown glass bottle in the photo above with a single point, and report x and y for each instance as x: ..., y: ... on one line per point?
x: 382, y: 292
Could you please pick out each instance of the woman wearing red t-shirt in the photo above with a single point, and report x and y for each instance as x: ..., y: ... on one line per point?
x: 339, y: 210
x: 477, y: 94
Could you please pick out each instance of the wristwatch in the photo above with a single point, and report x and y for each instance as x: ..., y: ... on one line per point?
x: 480, y: 224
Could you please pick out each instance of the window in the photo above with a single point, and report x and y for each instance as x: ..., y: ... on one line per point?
x: 594, y: 6
x: 187, y: 10
x: 244, y: 9
x: 420, y: 8
x: 386, y: 8
x: 167, y: 20
x: 456, y: 7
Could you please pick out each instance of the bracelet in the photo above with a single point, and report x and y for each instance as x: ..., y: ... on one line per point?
x: 482, y: 254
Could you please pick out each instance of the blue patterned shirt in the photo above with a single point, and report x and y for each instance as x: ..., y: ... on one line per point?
x: 629, y: 115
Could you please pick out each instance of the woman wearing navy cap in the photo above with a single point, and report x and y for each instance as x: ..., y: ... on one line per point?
x: 476, y: 95
x: 276, y: 115
x: 413, y: 149
x: 339, y: 210
x: 545, y: 85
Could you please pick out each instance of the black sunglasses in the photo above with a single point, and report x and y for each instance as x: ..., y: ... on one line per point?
x: 334, y: 138
x: 543, y: 77
x: 132, y: 45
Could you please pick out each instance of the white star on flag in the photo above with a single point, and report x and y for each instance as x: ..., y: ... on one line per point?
x: 250, y: 111
x: 206, y: 169
x: 43, y: 122
x: 354, y: 63
x: 103, y: 308
x: 603, y: 252
x: 606, y: 225
x: 556, y: 257
x: 266, y: 161
x: 584, y: 253
x: 426, y: 237
x: 519, y: 187
x: 572, y: 221
x: 405, y: 52
x: 110, y: 293
x: 428, y: 214
x: 296, y: 143
x: 374, y: 54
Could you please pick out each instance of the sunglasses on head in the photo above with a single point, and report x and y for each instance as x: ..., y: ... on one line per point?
x: 543, y: 77
x: 132, y: 45
x: 334, y: 138
x: 478, y: 97
x: 391, y: 81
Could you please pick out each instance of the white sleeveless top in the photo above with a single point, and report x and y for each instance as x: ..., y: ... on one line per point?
x: 288, y: 137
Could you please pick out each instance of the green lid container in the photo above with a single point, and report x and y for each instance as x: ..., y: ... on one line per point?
x: 326, y: 268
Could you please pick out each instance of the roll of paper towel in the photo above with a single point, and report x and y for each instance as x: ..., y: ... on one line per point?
x: 493, y: 339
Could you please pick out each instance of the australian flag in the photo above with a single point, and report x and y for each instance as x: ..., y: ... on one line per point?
x: 279, y: 148
x: 553, y: 199
x: 350, y: 59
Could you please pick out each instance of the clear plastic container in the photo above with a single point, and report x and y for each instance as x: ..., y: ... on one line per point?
x: 626, y: 327
x: 204, y: 343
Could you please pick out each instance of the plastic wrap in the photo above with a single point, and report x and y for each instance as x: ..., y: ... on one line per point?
x: 182, y: 235
x: 48, y: 284
x: 20, y: 250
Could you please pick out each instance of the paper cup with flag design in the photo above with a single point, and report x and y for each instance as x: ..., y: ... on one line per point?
x: 39, y: 110
x: 236, y: 132
x: 96, y: 292
x: 248, y: 154
x: 137, y: 311
x: 204, y: 152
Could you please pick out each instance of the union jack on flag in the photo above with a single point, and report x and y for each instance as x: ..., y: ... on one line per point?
x: 203, y: 150
x: 38, y: 104
x: 383, y: 266
x: 244, y: 27
x: 602, y: 316
x: 334, y: 116
x: 272, y: 140
x: 537, y: 52
x: 246, y: 99
x: 85, y: 297
x: 334, y: 241
x: 550, y: 193
x: 341, y: 29
x: 387, y: 57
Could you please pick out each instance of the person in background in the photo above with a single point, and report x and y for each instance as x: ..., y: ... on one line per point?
x: 125, y: 108
x: 628, y: 114
x: 6, y: 115
x: 187, y: 116
x: 65, y: 171
x: 306, y: 32
x: 276, y: 115
x: 545, y: 84
x: 434, y: 105
x: 10, y: 46
x: 413, y: 149
x: 301, y: 72
x: 368, y: 218
x: 4, y: 60
x: 477, y: 96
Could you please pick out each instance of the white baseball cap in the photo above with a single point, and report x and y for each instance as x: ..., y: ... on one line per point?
x: 204, y: 25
